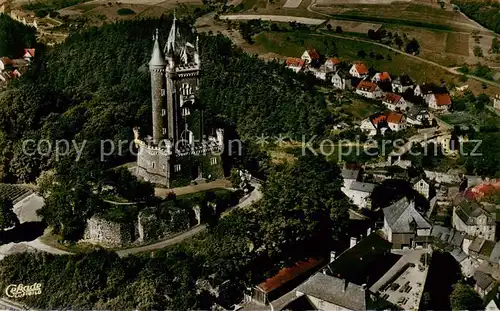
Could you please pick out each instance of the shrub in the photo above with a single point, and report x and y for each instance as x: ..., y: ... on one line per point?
x: 125, y: 11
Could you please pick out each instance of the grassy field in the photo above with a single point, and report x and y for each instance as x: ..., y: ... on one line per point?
x: 457, y: 43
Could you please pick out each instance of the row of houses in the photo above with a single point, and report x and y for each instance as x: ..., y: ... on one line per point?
x: 14, y: 68
x: 398, y: 93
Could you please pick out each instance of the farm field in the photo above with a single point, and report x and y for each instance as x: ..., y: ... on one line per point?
x: 352, y: 26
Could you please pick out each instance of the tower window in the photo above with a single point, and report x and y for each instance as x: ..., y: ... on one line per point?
x: 162, y: 92
x: 177, y: 168
x: 213, y: 161
x: 185, y: 112
x: 152, y: 164
x: 164, y: 131
x: 163, y: 112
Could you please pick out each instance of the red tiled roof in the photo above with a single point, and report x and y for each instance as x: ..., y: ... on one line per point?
x: 392, y: 98
x: 6, y: 61
x: 379, y: 119
x: 295, y: 62
x: 442, y: 99
x: 361, y: 68
x: 287, y: 274
x: 383, y: 76
x: 484, y: 189
x: 313, y: 54
x: 394, y: 117
x: 31, y: 52
x: 334, y: 60
x: 367, y: 86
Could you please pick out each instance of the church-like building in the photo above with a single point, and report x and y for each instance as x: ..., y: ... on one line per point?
x: 179, y: 150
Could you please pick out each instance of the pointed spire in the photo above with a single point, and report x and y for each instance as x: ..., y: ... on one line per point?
x: 174, y: 32
x: 157, y: 58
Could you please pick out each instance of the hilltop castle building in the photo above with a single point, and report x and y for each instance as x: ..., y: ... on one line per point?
x: 179, y: 150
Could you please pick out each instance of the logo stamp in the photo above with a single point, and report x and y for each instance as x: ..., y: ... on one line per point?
x: 20, y: 290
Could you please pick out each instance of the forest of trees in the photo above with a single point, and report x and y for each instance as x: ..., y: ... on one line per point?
x: 487, y: 13
x: 14, y: 37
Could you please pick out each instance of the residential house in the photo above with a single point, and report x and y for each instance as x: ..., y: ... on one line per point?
x: 321, y: 73
x: 311, y: 57
x: 492, y: 299
x: 350, y: 176
x: 341, y: 80
x: 359, y: 193
x: 484, y: 283
x: 359, y: 70
x: 369, y: 90
x: 473, y: 219
x: 383, y: 121
x: 404, y: 226
x: 381, y: 77
x: 416, y: 115
x: 284, y: 281
x: 6, y: 64
x: 332, y: 63
x: 425, y: 89
x: 29, y: 54
x: 401, y: 84
x: 394, y: 102
x: 439, y: 102
x: 295, y: 64
x: 422, y: 187
x: 496, y: 102
x: 326, y: 292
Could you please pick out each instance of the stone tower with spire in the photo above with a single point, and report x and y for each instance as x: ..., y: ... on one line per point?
x: 178, y: 151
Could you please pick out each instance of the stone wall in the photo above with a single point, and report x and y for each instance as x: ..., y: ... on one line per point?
x: 106, y: 232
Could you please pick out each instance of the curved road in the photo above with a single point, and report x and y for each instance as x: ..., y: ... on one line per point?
x: 254, y: 196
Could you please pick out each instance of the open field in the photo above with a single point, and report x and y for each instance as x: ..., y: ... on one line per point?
x: 292, y: 3
x: 280, y: 7
x: 457, y: 43
x: 276, y: 18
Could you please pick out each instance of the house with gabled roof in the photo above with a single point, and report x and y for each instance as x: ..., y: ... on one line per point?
x: 29, y: 54
x: 369, y: 89
x: 341, y: 80
x: 473, y: 219
x: 295, y: 64
x: 311, y: 56
x: 401, y: 84
x: 404, y: 226
x: 332, y: 63
x: 6, y: 64
x: 359, y: 70
x: 359, y: 193
x: 394, y: 102
x: 439, y: 102
x: 381, y: 77
x: 484, y: 283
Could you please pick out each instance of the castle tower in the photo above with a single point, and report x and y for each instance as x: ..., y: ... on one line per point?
x: 157, y: 66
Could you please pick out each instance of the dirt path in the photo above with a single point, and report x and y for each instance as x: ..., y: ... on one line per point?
x: 275, y: 18
x: 219, y: 183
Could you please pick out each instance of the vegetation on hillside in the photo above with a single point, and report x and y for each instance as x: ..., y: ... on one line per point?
x: 237, y: 252
x: 487, y: 13
x: 14, y: 37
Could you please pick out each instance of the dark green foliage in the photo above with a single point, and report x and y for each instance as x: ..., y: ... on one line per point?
x: 44, y: 7
x: 14, y: 37
x: 7, y: 217
x: 125, y: 11
x: 487, y: 13
x: 464, y: 297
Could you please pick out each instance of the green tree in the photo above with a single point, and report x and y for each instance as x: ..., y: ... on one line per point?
x: 464, y: 297
x: 495, y: 45
x: 7, y: 217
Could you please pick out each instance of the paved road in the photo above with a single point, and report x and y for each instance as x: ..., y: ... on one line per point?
x: 275, y: 18
x: 6, y: 304
x: 253, y: 197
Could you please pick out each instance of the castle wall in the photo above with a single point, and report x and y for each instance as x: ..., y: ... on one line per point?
x: 110, y: 233
x: 157, y: 96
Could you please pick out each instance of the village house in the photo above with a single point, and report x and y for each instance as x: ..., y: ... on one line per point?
x: 6, y: 64
x: 473, y: 219
x: 321, y: 73
x: 342, y: 80
x: 29, y: 54
x: 484, y: 283
x: 417, y: 115
x: 359, y: 70
x: 359, y: 193
x: 439, y: 102
x: 394, y: 102
x: 381, y: 77
x: 401, y: 84
x: 396, y: 121
x: 332, y: 63
x: 404, y: 226
x: 496, y: 102
x: 492, y: 299
x: 311, y: 57
x: 380, y: 122
x: 295, y: 64
x: 350, y: 176
x: 426, y: 89
x: 422, y: 187
x: 369, y: 90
